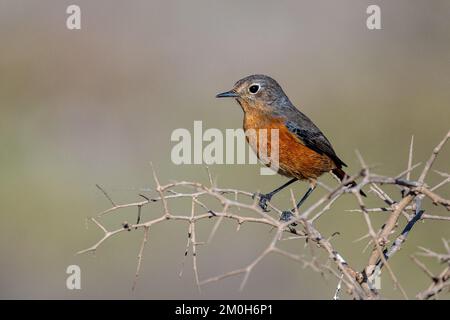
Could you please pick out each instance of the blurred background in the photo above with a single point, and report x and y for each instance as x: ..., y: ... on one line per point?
x: 96, y: 105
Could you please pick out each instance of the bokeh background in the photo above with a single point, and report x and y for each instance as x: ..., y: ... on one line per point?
x: 95, y: 106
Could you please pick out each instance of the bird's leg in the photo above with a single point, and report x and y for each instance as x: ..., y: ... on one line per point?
x: 305, y: 196
x: 288, y: 215
x: 264, y: 198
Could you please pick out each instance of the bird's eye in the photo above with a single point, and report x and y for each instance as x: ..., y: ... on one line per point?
x: 254, y: 88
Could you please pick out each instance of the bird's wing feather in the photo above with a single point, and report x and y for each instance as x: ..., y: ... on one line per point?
x: 312, y: 137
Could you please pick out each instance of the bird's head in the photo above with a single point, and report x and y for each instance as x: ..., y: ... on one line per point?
x: 257, y: 91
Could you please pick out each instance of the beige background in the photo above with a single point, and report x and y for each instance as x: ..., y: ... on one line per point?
x: 97, y: 105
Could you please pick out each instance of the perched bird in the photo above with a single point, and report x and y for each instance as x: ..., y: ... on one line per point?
x: 304, y: 151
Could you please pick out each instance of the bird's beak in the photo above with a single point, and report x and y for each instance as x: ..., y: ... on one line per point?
x: 228, y: 94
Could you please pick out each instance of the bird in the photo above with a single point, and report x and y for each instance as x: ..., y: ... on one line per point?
x: 304, y: 151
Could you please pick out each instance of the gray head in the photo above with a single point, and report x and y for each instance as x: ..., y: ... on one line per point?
x: 258, y: 91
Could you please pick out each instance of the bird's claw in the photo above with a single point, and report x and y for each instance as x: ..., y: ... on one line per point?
x: 263, y: 199
x: 212, y: 213
x: 286, y: 216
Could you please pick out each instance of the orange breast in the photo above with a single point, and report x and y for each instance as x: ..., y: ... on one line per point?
x: 295, y: 159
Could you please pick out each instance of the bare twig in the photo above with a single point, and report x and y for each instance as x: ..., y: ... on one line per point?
x: 242, y: 208
x: 140, y: 257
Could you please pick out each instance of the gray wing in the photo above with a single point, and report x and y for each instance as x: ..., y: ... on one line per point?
x: 312, y: 137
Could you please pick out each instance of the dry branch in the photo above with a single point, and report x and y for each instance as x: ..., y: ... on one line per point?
x: 358, y: 283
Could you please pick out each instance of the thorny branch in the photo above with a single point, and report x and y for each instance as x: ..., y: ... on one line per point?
x: 440, y: 282
x: 359, y: 284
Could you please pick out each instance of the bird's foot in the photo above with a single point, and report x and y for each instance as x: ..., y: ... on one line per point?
x: 212, y: 213
x: 263, y: 199
x: 286, y: 216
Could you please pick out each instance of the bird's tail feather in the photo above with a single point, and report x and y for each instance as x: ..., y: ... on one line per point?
x: 341, y: 175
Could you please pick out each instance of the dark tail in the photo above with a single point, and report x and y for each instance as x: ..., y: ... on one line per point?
x: 338, y: 172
